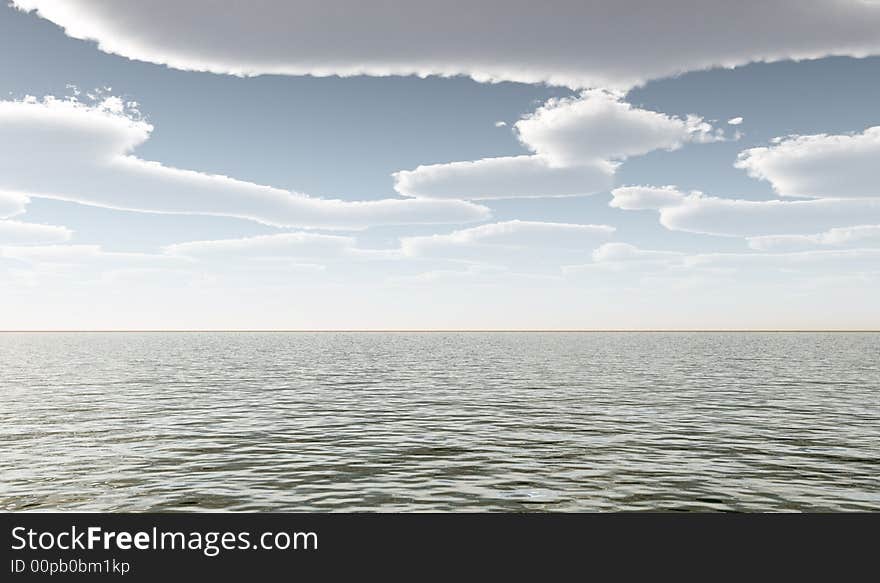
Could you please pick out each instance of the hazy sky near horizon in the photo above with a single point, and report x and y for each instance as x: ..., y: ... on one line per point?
x: 337, y: 165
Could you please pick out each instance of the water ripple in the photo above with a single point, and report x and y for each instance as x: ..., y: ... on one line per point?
x: 444, y: 421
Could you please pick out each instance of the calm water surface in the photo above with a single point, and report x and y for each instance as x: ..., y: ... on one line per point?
x: 439, y: 421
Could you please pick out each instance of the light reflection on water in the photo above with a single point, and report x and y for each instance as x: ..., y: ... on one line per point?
x: 439, y: 421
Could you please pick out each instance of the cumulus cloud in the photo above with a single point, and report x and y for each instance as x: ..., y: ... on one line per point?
x: 598, y: 125
x: 819, y: 166
x: 698, y: 213
x: 861, y: 235
x: 577, y: 144
x: 65, y: 150
x: 510, y: 234
x: 735, y: 121
x: 586, y: 43
x: 18, y: 233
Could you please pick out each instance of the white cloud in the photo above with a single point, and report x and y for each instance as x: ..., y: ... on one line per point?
x: 12, y: 204
x: 279, y: 255
x: 819, y: 166
x: 826, y: 261
x: 507, y: 177
x: 298, y: 252
x: 835, y: 173
x: 150, y: 276
x: 510, y: 234
x: 281, y: 246
x: 636, y: 198
x: 69, y: 151
x: 624, y: 252
x: 468, y: 274
x: 697, y: 213
x: 861, y: 235
x: 283, y: 254
x: 577, y: 144
x: 18, y: 233
x: 624, y: 257
x: 588, y: 43
x: 735, y: 121
x: 81, y: 255
x: 480, y: 275
x: 477, y: 243
x: 717, y: 216
x: 599, y: 126
x: 307, y: 267
x: 632, y: 259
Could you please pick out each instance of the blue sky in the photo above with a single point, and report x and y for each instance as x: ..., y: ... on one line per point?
x: 457, y: 259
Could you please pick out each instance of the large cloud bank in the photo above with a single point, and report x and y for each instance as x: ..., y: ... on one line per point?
x: 577, y: 43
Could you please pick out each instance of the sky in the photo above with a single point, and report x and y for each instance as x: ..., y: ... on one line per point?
x: 439, y: 165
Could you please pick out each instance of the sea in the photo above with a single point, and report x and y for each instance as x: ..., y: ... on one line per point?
x: 440, y: 421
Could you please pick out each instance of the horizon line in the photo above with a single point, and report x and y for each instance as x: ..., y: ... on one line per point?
x: 432, y: 330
